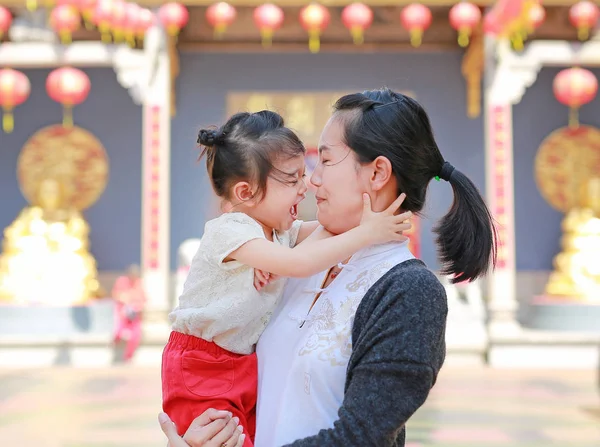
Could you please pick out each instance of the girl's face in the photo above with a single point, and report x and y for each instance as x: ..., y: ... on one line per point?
x: 340, y: 181
x: 278, y: 208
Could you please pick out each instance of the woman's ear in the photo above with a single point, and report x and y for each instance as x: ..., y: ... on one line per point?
x: 381, y: 173
x: 242, y: 192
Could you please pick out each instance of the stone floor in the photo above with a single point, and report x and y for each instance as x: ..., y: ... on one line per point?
x: 117, y: 407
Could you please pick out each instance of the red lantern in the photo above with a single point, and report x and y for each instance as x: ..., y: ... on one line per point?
x: 357, y: 17
x: 173, y: 16
x: 145, y: 21
x: 118, y: 20
x: 537, y: 15
x: 268, y: 19
x: 103, y: 18
x: 220, y: 16
x: 65, y: 20
x: 14, y: 90
x: 87, y: 9
x: 5, y: 20
x: 575, y: 87
x: 69, y: 87
x: 132, y: 17
x: 584, y: 16
x: 464, y: 17
x: 314, y: 19
x: 73, y: 3
x: 416, y: 18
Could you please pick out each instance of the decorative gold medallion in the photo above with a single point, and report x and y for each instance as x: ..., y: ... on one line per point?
x: 71, y: 156
x: 565, y: 162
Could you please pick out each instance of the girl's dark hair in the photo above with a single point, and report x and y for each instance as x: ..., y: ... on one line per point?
x: 245, y: 148
x: 395, y: 126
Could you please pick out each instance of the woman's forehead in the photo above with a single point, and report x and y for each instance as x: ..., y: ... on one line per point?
x: 332, y: 137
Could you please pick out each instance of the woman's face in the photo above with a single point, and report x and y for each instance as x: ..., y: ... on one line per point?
x: 340, y: 180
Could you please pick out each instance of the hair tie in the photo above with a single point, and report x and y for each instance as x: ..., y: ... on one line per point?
x: 446, y: 172
x: 210, y: 137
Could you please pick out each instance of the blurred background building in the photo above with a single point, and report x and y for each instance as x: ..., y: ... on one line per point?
x: 102, y: 101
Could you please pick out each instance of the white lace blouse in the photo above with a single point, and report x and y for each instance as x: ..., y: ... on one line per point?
x: 219, y: 302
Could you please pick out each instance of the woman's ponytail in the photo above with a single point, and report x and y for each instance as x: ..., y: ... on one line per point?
x: 466, y: 235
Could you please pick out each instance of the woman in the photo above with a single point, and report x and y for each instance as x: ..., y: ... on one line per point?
x: 350, y: 354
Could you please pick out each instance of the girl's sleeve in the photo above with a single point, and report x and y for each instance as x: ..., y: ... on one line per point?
x: 224, y: 235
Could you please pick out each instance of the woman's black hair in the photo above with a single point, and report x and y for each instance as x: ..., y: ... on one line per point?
x: 245, y: 148
x: 389, y: 124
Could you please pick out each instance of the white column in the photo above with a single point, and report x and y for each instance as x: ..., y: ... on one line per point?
x: 500, y: 198
x: 156, y: 144
x: 501, y: 91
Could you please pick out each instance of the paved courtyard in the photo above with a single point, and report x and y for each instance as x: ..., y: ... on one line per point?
x: 117, y: 407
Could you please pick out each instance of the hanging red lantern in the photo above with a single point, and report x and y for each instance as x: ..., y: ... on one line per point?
x: 173, y: 16
x: 314, y: 19
x: 118, y: 20
x: 416, y: 18
x: 220, y: 16
x: 537, y: 15
x: 69, y: 87
x: 14, y: 90
x: 5, y: 20
x: 73, y: 3
x: 132, y: 17
x: 87, y: 9
x: 145, y: 21
x: 103, y: 18
x: 575, y: 87
x: 464, y: 17
x: 491, y: 24
x: 65, y: 20
x: 268, y: 18
x: 357, y: 17
x: 584, y: 16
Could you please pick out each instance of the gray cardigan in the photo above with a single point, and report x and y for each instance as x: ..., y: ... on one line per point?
x: 398, y: 349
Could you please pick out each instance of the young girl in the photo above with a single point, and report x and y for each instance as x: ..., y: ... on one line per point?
x: 256, y: 166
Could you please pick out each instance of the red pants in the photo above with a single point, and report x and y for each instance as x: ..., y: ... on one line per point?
x: 198, y: 375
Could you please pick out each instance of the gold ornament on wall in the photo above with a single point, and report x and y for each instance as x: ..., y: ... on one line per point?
x: 567, y: 171
x: 45, y: 251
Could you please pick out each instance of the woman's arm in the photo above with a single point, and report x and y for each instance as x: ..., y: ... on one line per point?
x: 398, y: 349
x: 315, y: 255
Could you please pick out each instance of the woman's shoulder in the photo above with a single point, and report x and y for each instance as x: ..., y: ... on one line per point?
x: 412, y: 274
x: 408, y: 285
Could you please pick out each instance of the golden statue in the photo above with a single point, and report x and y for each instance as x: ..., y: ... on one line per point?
x: 568, y: 174
x: 45, y: 251
x: 577, y: 270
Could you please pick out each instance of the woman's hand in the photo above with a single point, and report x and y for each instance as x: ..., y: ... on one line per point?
x: 385, y: 226
x: 212, y: 428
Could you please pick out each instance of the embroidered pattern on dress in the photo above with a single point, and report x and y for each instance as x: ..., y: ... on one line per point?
x: 331, y: 326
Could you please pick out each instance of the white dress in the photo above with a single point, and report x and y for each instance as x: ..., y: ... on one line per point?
x: 219, y: 302
x: 302, y: 357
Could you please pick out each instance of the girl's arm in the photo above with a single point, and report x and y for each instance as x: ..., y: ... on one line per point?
x: 306, y: 230
x: 315, y: 255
